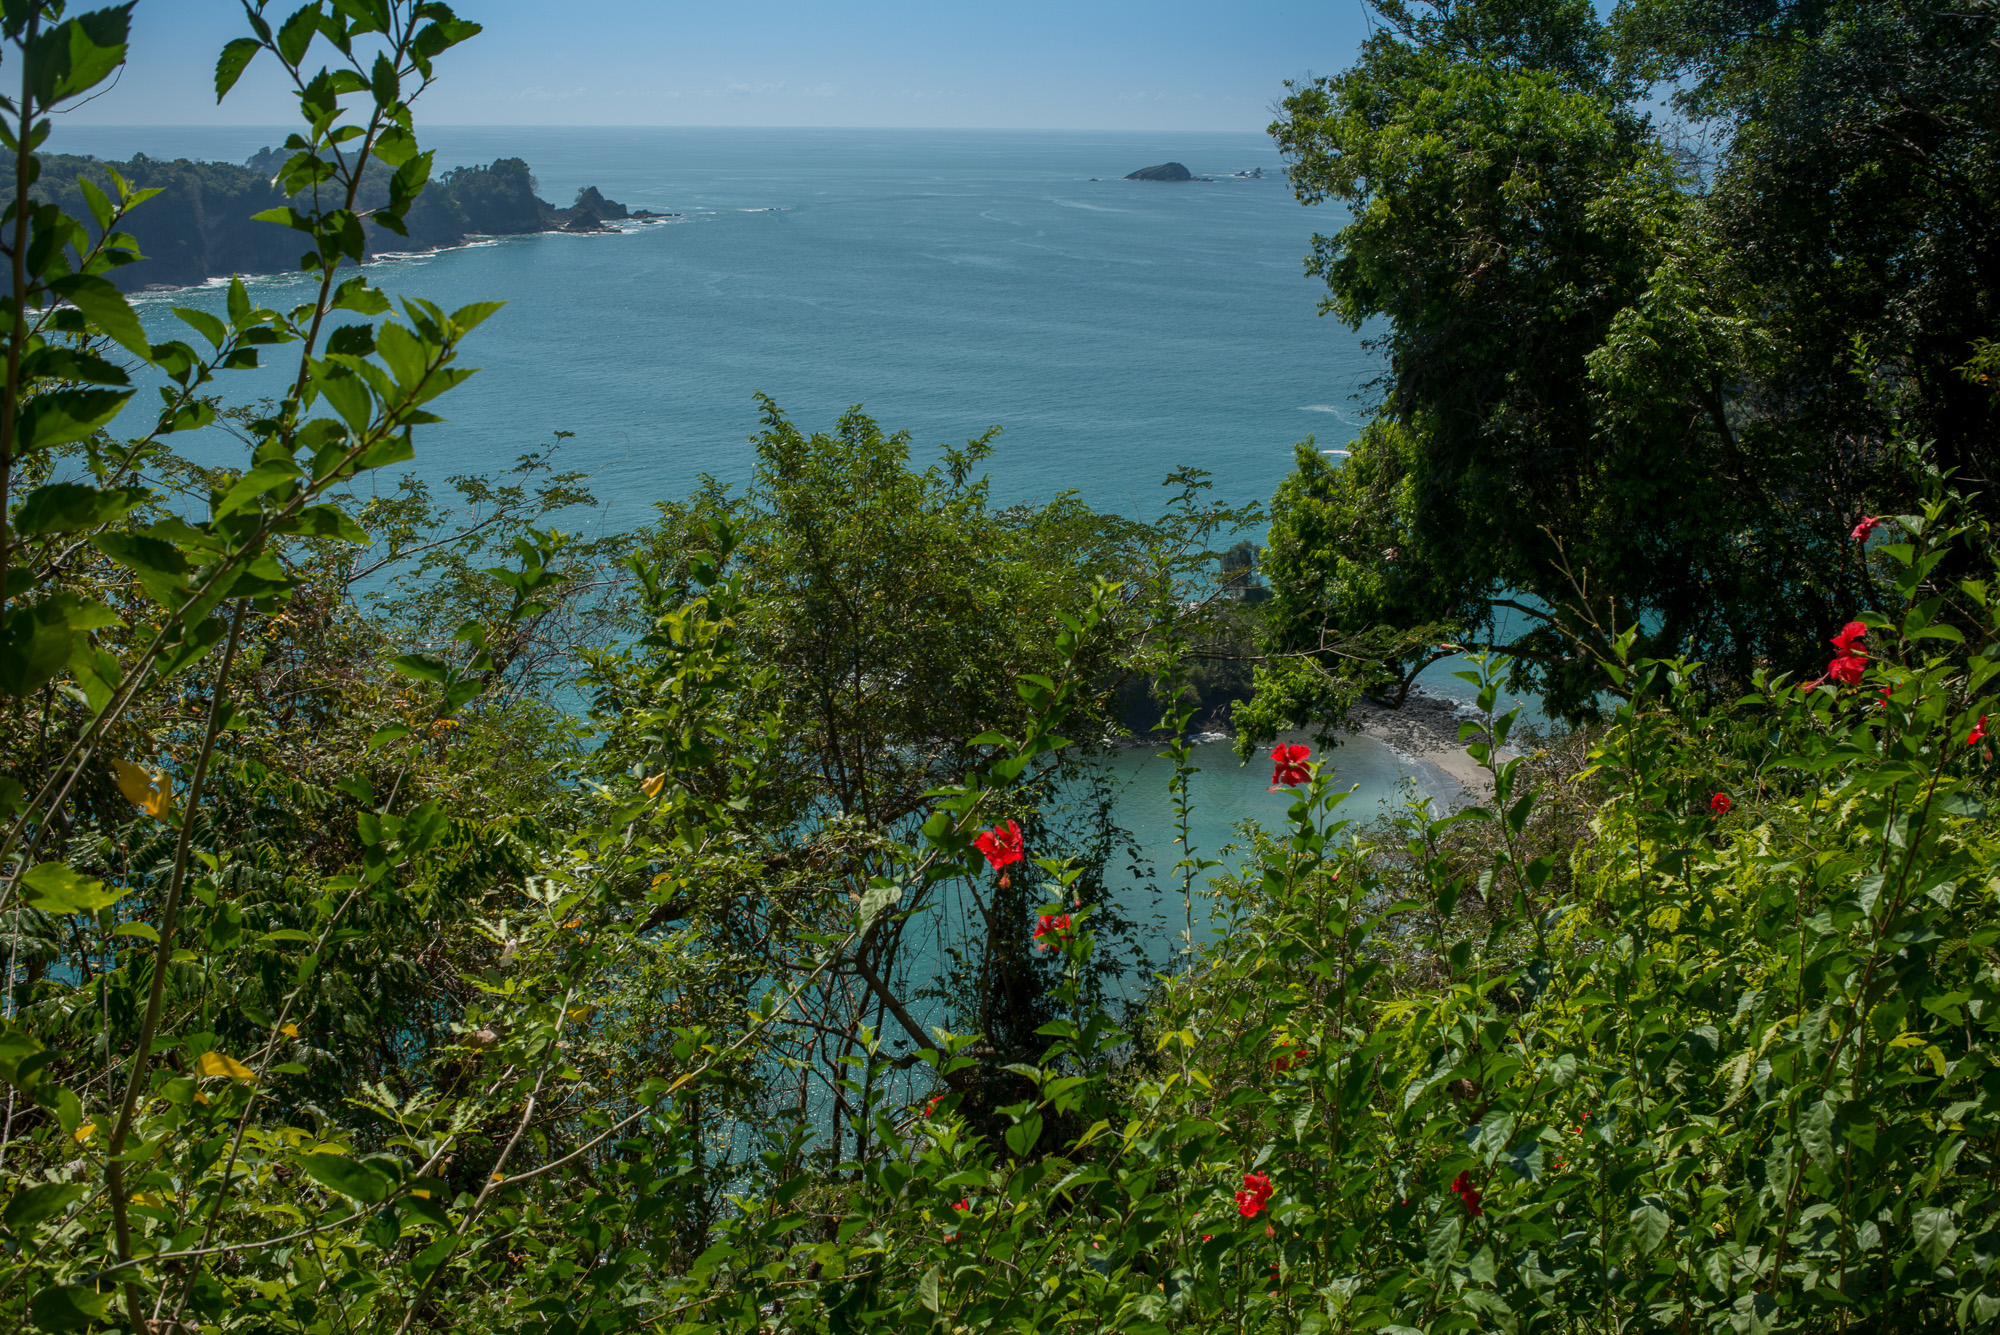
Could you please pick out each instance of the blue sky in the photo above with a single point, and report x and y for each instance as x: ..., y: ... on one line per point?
x: 1030, y: 64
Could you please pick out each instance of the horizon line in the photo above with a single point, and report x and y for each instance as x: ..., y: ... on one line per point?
x: 528, y: 125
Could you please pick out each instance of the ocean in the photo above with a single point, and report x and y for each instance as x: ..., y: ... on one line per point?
x: 947, y: 281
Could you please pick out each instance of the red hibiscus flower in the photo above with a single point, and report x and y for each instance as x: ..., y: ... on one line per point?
x: 964, y: 1204
x: 1289, y: 767
x: 1864, y: 528
x: 1256, y: 1194
x: 930, y: 1109
x: 1850, y: 659
x: 1282, y: 1063
x: 1978, y: 733
x: 1720, y: 804
x: 1050, y: 924
x: 1001, y: 845
x: 1469, y: 1194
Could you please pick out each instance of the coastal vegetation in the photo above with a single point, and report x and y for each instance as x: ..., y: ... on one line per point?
x: 417, y: 917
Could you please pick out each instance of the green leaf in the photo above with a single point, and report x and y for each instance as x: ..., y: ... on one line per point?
x: 64, y: 1309
x: 297, y: 33
x: 78, y: 365
x: 76, y: 56
x: 65, y: 416
x: 264, y: 477
x: 420, y: 667
x: 1754, y: 1314
x: 1441, y: 1243
x: 1649, y: 1228
x: 70, y: 507
x: 927, y: 1288
x: 159, y: 566
x: 55, y: 888
x: 235, y: 58
x: 383, y: 83
x: 106, y: 308
x: 881, y: 896
x: 323, y: 521
x: 22, y: 1059
x: 1935, y: 1230
x: 210, y: 328
x: 1021, y: 1137
x: 349, y: 1177
x: 348, y: 393
x: 36, y: 642
x: 1816, y: 1134
x: 31, y: 1206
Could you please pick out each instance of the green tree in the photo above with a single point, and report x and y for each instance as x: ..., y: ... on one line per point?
x: 1511, y: 218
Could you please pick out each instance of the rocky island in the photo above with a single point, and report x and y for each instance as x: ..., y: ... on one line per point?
x: 200, y: 225
x: 1166, y: 171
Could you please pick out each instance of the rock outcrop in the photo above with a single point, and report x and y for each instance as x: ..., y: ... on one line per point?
x: 1166, y: 171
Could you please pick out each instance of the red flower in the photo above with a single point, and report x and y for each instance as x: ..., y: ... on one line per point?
x: 1468, y: 1194
x: 1256, y: 1194
x: 1720, y: 804
x: 1001, y: 845
x: 1207, y: 1237
x: 1289, y: 765
x: 1281, y: 1063
x: 1056, y: 925
x: 1978, y: 733
x: 1850, y: 660
x: 1864, y: 528
x: 964, y: 1204
x: 930, y: 1109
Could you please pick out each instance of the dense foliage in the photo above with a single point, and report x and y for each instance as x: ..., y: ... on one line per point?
x: 418, y: 918
x: 1633, y: 382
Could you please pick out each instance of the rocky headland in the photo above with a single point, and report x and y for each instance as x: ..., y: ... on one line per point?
x: 200, y: 225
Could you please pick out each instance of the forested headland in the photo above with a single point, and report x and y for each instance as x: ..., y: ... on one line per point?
x: 204, y: 223
x: 421, y: 918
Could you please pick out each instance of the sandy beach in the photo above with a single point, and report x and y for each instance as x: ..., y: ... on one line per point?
x: 1424, y: 732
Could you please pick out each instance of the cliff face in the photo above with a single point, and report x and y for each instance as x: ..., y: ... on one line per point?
x: 200, y: 226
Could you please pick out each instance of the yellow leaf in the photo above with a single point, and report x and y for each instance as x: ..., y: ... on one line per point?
x: 420, y: 1193
x: 651, y: 787
x: 289, y: 1030
x: 499, y: 1177
x: 147, y: 789
x: 146, y: 1198
x: 85, y: 1132
x: 217, y: 1063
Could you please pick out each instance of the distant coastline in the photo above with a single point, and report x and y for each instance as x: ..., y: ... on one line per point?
x: 201, y: 226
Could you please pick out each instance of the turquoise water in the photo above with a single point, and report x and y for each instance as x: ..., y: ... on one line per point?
x: 948, y: 281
